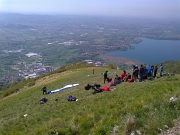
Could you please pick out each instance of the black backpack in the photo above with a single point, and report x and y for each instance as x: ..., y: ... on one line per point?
x: 87, y: 87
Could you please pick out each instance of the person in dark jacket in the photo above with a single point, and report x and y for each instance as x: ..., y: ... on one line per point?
x: 117, y: 79
x: 135, y: 72
x: 152, y: 70
x: 141, y: 73
x: 155, y: 71
x: 105, y: 76
x: 44, y: 89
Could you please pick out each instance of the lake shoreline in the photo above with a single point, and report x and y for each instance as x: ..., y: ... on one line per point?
x: 119, y: 60
x: 150, y: 51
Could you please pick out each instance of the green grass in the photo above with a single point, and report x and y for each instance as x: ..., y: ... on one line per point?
x: 142, y: 106
x: 171, y: 67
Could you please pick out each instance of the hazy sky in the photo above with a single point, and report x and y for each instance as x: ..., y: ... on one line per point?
x: 135, y: 8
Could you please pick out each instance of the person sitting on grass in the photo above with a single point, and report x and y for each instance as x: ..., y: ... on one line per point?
x: 123, y: 75
x: 117, y: 79
x: 128, y: 76
x: 111, y: 84
x: 108, y: 79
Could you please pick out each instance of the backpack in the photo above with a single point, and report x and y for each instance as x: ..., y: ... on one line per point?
x: 87, y: 87
x: 105, y: 88
x: 97, y: 85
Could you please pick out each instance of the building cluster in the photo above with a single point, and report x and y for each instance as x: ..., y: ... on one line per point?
x: 96, y: 63
x: 35, y: 69
x: 67, y: 43
x: 27, y: 70
x: 32, y: 71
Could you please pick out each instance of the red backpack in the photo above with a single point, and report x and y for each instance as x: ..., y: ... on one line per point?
x: 105, y: 88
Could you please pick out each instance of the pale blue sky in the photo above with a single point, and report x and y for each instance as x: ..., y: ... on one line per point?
x: 135, y: 8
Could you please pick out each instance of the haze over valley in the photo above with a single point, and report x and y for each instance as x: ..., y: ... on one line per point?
x: 38, y: 39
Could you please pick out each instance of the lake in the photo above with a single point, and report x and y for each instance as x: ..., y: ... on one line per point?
x: 151, y: 51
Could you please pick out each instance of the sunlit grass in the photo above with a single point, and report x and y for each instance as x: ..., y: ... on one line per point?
x: 134, y: 106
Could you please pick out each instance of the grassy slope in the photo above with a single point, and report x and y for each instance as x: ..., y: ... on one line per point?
x: 146, y: 103
x: 172, y: 67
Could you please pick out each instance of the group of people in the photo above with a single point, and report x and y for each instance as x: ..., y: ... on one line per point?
x: 146, y: 72
x: 124, y: 77
x: 139, y: 73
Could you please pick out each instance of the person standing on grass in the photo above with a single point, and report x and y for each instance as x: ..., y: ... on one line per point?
x: 155, y: 71
x: 152, y: 70
x: 105, y: 76
x: 161, y: 69
x: 141, y: 73
x: 93, y: 71
x: 44, y: 89
x: 133, y: 74
x: 136, y: 73
x: 149, y: 71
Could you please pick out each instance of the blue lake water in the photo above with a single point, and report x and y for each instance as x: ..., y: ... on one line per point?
x: 151, y: 51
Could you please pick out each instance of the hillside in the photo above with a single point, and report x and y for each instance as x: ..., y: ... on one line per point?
x: 139, y: 107
x: 172, y: 67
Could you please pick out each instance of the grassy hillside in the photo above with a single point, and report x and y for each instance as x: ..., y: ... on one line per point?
x: 139, y: 106
x: 172, y: 67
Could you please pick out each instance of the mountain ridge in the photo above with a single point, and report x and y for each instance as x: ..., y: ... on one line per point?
x: 130, y: 107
